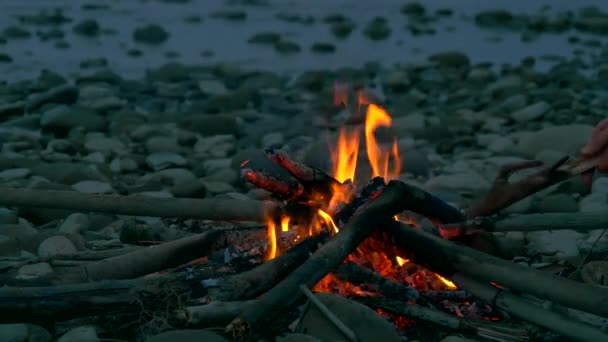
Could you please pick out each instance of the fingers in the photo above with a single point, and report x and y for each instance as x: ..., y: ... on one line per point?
x: 599, y: 139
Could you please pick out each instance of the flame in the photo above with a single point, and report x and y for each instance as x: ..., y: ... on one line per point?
x: 272, y: 239
x: 345, y: 158
x: 447, y: 282
x: 285, y: 223
x: 328, y: 219
x: 401, y: 261
x: 379, y: 158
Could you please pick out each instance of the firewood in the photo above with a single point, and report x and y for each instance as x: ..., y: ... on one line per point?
x: 447, y: 258
x: 249, y: 284
x: 525, y: 310
x: 206, y: 209
x: 286, y: 294
x: 212, y: 314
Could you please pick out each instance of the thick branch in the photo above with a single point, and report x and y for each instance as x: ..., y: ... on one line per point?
x: 208, y: 209
x: 447, y: 258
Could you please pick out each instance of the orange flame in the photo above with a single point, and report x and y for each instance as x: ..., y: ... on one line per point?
x: 447, y: 282
x: 328, y: 219
x: 272, y: 240
x: 345, y: 158
x: 378, y: 158
x: 401, y: 261
x: 285, y: 223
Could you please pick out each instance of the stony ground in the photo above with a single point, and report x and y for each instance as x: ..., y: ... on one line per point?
x: 182, y: 131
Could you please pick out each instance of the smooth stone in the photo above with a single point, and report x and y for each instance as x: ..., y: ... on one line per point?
x: 23, y: 332
x: 64, y: 94
x: 75, y: 223
x: 12, y: 174
x: 56, y: 245
x: 106, y: 145
x: 226, y: 175
x: 162, y: 144
x: 209, y: 125
x: 594, y: 203
x: 64, y: 117
x: 275, y: 139
x: 531, y: 112
x: 79, y: 334
x: 464, y: 181
x: 217, y: 187
x: 34, y: 271
x: 554, y: 245
x: 162, y: 160
x: 187, y: 335
x: 566, y: 139
x: 9, y: 246
x: 212, y: 87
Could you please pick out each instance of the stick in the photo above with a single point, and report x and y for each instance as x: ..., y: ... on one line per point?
x: 155, y: 258
x: 207, y: 209
x: 249, y: 284
x: 356, y: 274
x: 447, y: 258
x: 212, y: 314
x: 345, y: 330
x: 517, y: 306
x: 286, y: 294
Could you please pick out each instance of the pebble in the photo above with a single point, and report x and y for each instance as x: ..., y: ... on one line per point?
x: 56, y: 245
x: 79, y: 334
x: 162, y: 160
x: 93, y: 187
x: 531, y: 112
x: 34, y: 271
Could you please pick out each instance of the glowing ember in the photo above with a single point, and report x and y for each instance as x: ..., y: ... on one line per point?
x: 272, y: 240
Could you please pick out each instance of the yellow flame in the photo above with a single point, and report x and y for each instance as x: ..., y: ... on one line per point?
x: 402, y: 261
x: 378, y: 158
x: 447, y: 282
x: 285, y: 223
x: 272, y: 240
x: 328, y: 219
x: 345, y: 158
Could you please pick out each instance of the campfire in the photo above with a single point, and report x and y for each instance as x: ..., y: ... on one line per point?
x: 415, y: 260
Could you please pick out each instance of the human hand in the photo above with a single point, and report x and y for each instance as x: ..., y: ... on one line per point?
x: 596, y: 147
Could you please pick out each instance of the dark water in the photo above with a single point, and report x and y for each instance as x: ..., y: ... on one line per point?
x: 228, y: 39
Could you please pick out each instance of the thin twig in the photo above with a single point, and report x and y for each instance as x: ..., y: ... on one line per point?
x: 346, y: 331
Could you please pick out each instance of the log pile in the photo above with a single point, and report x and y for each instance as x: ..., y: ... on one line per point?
x: 183, y: 283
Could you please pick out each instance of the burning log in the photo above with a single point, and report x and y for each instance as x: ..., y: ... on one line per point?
x: 523, y: 309
x: 356, y: 274
x: 206, y: 209
x: 284, y: 295
x: 484, y: 329
x: 249, y: 284
x: 447, y: 258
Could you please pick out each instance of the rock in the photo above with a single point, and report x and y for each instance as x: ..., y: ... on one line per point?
x: 556, y: 203
x: 531, y: 112
x: 34, y: 271
x: 595, y: 272
x: 93, y: 187
x: 150, y: 34
x: 12, y: 174
x: 600, y: 186
x: 56, y: 245
x: 226, y: 175
x: 593, y: 203
x: 209, y: 125
x: 217, y: 187
x: 75, y: 223
x: 265, y: 38
x: 566, y: 139
x: 84, y: 333
x: 63, y: 94
x: 163, y: 144
x: 88, y: 28
x: 285, y: 46
x: 553, y: 245
x: 416, y: 163
x: 322, y: 47
x: 217, y: 146
x: 23, y: 332
x: 162, y: 160
x: 9, y: 246
x: 105, y: 145
x: 366, y: 323
x: 15, y: 32
x: 193, y: 189
x: 413, y: 8
x: 462, y: 181
x: 187, y: 335
x: 297, y: 338
x: 377, y: 29
x: 212, y: 87
x: 453, y: 59
x: 273, y: 140
x: 64, y: 117
x: 494, y: 18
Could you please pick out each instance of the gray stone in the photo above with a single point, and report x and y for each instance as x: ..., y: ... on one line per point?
x: 212, y: 87
x: 187, y: 335
x: 9, y: 246
x: 600, y: 186
x: 163, y: 160
x: 566, y: 139
x: 464, y: 181
x: 163, y: 144
x: 65, y: 94
x: 64, y: 117
x: 556, y: 203
x: 208, y: 125
x: 56, y: 245
x: 275, y: 139
x: 218, y: 146
x: 217, y: 187
x: 594, y: 203
x: 34, y: 271
x: 106, y: 145
x: 12, y: 174
x: 83, y: 333
x: 554, y: 245
x: 531, y: 112
x: 93, y: 187
x: 226, y: 175
x: 75, y: 223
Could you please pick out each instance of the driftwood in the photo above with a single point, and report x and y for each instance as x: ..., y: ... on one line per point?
x: 484, y: 329
x: 287, y: 293
x: 525, y: 310
x: 529, y: 223
x: 212, y: 314
x: 249, y: 284
x: 207, y: 209
x: 447, y: 258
